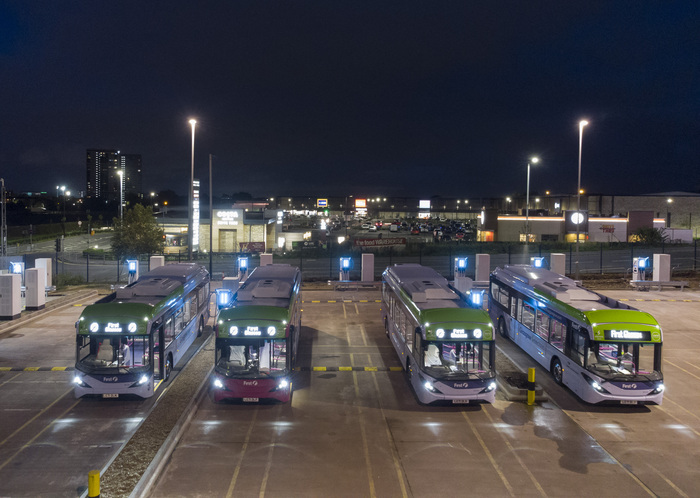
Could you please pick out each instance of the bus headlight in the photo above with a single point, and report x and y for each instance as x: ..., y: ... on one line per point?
x: 595, y: 385
x: 142, y: 380
x: 218, y: 384
x: 283, y: 384
x: 429, y: 387
x: 659, y: 388
x: 79, y: 382
x: 491, y: 386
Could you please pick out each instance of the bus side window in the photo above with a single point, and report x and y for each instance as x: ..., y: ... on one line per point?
x: 528, y: 318
x: 558, y: 336
x: 542, y: 325
x: 169, y: 332
x: 514, y: 306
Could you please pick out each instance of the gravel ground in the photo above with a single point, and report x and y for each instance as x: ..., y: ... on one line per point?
x: 126, y: 470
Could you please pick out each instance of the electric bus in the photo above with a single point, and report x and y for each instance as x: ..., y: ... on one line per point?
x: 602, y: 349
x: 257, y: 336
x: 128, y: 342
x: 443, y: 337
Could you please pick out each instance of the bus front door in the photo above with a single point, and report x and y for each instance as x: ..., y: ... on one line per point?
x: 158, y: 355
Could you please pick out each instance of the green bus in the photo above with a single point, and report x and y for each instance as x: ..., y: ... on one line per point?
x: 443, y: 337
x: 604, y: 350
x: 257, y: 336
x: 128, y: 342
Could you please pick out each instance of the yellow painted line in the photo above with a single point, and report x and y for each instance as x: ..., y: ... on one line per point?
x: 345, y: 315
x: 671, y: 300
x: 395, y: 369
x: 494, y: 464
x: 377, y: 300
x: 370, y: 369
x: 363, y: 334
x: 232, y: 484
x: 332, y: 301
x: 347, y: 300
x: 58, y: 369
x: 77, y: 305
x: 683, y: 369
x: 675, y: 488
x: 687, y: 300
x: 5, y: 369
x: 32, y: 369
x: 315, y: 301
x: 624, y: 299
x: 656, y: 299
x: 319, y: 369
x: 345, y: 369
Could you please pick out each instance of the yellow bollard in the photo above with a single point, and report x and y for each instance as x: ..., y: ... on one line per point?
x: 94, y: 484
x: 530, y: 386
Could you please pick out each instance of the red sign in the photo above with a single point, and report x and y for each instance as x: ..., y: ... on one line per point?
x: 608, y: 228
x: 389, y: 241
x: 252, y: 246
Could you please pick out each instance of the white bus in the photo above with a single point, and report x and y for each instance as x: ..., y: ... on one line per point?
x: 602, y: 349
x: 444, y: 339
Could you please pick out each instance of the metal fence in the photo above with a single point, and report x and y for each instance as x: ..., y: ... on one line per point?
x: 323, y: 263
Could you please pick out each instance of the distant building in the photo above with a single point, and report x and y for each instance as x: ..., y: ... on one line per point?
x: 103, y: 179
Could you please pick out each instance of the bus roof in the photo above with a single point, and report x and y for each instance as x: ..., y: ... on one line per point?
x: 426, y: 287
x: 271, y: 285
x: 568, y: 296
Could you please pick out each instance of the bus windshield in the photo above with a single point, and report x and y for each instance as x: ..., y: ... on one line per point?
x: 623, y: 360
x: 453, y: 360
x: 257, y: 358
x: 118, y: 354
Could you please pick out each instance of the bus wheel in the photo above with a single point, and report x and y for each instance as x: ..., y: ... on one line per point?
x: 386, y: 327
x: 200, y: 330
x: 502, y: 328
x: 557, y: 370
x: 168, y: 367
x: 409, y: 374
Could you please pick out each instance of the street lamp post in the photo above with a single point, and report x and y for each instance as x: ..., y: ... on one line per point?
x: 190, y: 222
x: 533, y: 160
x: 579, y: 218
x: 211, y: 216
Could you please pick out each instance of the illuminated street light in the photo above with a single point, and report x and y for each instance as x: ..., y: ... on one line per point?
x: 533, y: 160
x: 190, y: 222
x: 581, y: 124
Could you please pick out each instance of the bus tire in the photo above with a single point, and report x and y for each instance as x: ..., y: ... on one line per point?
x: 200, y: 329
x: 409, y: 374
x: 386, y: 326
x: 557, y: 370
x: 502, y: 328
x: 168, y: 367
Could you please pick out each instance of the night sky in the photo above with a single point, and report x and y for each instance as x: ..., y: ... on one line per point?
x: 367, y: 98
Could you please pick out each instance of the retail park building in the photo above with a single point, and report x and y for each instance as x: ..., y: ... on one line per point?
x: 264, y: 225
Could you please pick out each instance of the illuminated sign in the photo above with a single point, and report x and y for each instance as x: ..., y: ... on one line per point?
x: 577, y: 218
x: 423, y: 204
x: 322, y: 203
x: 280, y: 217
x: 229, y: 217
x: 252, y: 330
x: 459, y: 333
x: 360, y: 203
x: 113, y: 327
x: 627, y: 335
x: 195, y: 215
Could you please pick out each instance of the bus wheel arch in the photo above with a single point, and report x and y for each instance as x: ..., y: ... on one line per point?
x: 386, y: 326
x: 200, y: 328
x: 557, y: 370
x: 502, y: 330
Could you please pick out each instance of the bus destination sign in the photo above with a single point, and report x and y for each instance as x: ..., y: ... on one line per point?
x: 627, y: 335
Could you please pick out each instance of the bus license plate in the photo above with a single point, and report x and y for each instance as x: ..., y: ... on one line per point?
x: 628, y: 402
x: 460, y: 401
x: 110, y: 395
x: 251, y: 400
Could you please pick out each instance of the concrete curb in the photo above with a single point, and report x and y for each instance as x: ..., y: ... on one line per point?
x: 513, y: 393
